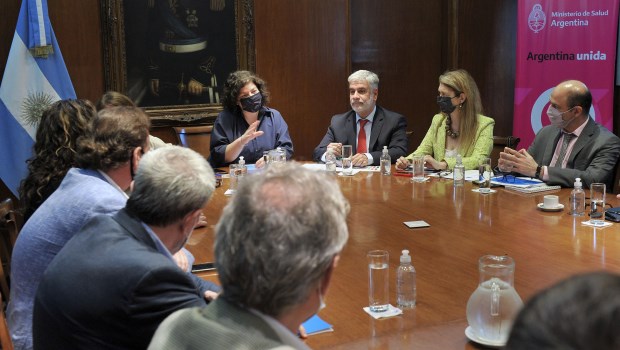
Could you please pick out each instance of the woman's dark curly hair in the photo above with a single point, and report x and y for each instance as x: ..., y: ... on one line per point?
x: 116, y: 132
x: 54, y: 150
x: 235, y: 82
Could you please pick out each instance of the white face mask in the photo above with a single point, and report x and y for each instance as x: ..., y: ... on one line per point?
x: 555, y: 117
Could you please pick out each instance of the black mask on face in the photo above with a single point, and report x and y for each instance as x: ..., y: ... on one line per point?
x: 252, y: 103
x: 445, y: 104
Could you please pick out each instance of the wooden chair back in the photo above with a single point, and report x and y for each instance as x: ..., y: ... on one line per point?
x: 197, y: 138
x: 5, y: 337
x: 8, y: 235
x: 499, y: 142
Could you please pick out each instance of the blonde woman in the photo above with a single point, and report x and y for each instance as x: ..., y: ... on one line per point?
x: 459, y: 128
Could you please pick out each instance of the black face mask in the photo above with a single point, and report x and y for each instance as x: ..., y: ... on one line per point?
x: 445, y: 104
x: 252, y: 103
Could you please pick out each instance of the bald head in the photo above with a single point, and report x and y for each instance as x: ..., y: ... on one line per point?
x: 573, y: 93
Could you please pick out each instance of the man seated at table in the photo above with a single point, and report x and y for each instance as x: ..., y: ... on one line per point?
x: 105, y: 158
x: 581, y: 312
x: 276, y: 247
x: 115, y: 280
x: 367, y: 127
x: 572, y: 146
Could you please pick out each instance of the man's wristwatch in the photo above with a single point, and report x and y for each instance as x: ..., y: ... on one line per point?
x: 538, y: 169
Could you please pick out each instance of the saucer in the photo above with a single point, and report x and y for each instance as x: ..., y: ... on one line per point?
x: 469, y: 333
x: 541, y: 206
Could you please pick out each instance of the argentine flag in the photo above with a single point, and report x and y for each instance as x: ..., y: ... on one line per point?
x: 35, y: 76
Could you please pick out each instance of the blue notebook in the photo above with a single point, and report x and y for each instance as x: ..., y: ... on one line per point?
x: 315, y: 325
x: 516, y: 181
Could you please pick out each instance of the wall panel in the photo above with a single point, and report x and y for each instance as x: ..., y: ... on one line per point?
x: 301, y: 51
x: 487, y: 36
x: 402, y: 41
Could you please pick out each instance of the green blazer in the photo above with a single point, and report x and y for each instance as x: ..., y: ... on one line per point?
x: 434, y: 143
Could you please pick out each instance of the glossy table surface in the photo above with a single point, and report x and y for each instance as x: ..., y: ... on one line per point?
x: 464, y: 225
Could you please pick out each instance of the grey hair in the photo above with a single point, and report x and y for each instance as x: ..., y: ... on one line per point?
x: 278, y: 236
x: 171, y: 182
x: 365, y: 75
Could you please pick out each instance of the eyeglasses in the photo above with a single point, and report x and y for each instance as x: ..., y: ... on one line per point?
x: 506, y: 175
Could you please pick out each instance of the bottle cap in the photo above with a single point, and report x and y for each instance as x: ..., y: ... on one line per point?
x: 578, y: 182
x: 459, y: 159
x: 405, y: 258
x: 241, y: 160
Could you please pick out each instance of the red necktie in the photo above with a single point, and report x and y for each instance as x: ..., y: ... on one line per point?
x: 361, y: 137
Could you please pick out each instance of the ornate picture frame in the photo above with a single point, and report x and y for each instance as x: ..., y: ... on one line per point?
x: 136, y: 31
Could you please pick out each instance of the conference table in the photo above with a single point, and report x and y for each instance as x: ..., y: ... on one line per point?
x: 464, y: 225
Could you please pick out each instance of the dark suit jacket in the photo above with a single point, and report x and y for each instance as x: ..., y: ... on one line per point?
x: 593, y: 158
x: 109, y: 288
x: 388, y: 129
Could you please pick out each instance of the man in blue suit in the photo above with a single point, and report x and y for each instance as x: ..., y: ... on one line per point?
x: 116, y: 280
x: 367, y: 127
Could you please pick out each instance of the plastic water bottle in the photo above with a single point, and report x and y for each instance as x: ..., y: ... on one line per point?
x: 242, y: 168
x: 459, y: 172
x: 405, y: 282
x: 577, y: 199
x: 386, y: 162
x: 330, y: 161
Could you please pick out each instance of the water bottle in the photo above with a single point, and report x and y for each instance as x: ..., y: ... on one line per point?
x: 459, y: 172
x: 577, y: 199
x: 242, y: 168
x: 405, y: 282
x: 386, y: 162
x: 330, y: 161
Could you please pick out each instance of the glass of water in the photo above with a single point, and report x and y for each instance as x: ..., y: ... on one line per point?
x: 235, y: 174
x: 347, y: 163
x: 418, y: 168
x: 597, y: 203
x: 378, y: 280
x: 485, y: 174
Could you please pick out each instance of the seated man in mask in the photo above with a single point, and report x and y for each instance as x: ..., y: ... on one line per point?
x: 573, y: 146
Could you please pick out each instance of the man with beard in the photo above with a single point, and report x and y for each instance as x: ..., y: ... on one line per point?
x: 367, y: 127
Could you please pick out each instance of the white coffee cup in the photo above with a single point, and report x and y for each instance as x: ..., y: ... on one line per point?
x: 551, y: 201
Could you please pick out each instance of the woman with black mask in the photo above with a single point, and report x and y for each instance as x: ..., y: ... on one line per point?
x: 459, y: 128
x: 247, y: 127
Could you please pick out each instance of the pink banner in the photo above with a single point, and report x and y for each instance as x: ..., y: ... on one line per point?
x: 559, y: 40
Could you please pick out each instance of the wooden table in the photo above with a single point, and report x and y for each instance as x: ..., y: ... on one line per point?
x: 546, y: 247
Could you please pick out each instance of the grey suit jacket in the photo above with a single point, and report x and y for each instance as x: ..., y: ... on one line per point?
x: 593, y: 158
x: 388, y: 129
x: 221, y: 325
x: 109, y: 288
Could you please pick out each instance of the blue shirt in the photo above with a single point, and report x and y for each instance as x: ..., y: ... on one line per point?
x: 230, y: 126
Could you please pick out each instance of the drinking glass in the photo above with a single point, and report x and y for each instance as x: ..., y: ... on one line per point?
x: 484, y: 179
x: 597, y: 203
x: 347, y: 163
x: 418, y: 169
x: 235, y: 174
x: 378, y: 280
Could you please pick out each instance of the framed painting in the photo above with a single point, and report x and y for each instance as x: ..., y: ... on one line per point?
x: 172, y: 57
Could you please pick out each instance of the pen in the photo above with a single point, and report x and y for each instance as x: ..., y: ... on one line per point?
x: 399, y: 173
